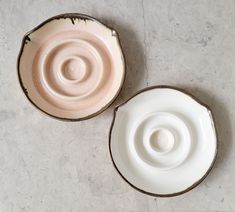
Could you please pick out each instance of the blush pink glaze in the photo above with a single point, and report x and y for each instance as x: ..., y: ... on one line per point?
x: 73, y: 71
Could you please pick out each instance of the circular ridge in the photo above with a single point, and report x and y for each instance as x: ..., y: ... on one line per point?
x: 46, y: 54
x: 142, y: 148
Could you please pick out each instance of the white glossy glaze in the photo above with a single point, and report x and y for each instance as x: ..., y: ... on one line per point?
x: 163, y: 141
x: 72, y: 69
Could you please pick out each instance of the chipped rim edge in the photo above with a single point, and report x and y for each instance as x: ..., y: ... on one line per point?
x: 213, y: 127
x: 71, y: 16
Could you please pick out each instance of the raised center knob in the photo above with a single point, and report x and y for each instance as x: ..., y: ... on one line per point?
x: 74, y: 69
x: 162, y: 140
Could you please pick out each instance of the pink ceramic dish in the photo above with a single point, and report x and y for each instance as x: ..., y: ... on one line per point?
x: 71, y: 66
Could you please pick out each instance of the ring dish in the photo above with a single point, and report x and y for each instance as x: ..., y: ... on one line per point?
x: 71, y: 66
x: 163, y: 141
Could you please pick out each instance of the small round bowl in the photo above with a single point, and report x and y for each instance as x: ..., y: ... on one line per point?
x: 71, y: 66
x: 163, y: 141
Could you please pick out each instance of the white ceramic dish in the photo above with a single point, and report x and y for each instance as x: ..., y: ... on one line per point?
x: 71, y: 66
x: 163, y: 141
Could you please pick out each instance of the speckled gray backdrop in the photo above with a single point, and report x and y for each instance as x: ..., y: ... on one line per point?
x: 53, y: 166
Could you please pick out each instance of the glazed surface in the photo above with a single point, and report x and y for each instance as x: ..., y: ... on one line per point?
x: 72, y: 69
x: 49, y: 165
x: 167, y: 134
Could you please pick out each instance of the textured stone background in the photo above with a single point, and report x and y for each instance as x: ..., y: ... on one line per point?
x: 53, y: 166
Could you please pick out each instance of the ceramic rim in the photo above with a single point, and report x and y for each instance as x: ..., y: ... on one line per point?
x: 195, y: 184
x: 72, y: 17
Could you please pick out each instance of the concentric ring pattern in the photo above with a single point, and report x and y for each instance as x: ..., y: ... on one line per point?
x: 71, y: 66
x: 163, y: 141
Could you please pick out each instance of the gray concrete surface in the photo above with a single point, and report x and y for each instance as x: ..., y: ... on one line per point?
x: 53, y: 166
